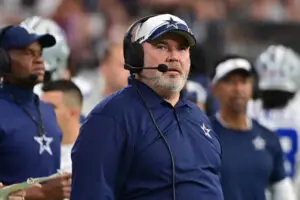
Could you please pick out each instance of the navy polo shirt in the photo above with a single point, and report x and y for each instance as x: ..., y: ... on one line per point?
x: 119, y: 154
x: 22, y: 153
x: 252, y: 160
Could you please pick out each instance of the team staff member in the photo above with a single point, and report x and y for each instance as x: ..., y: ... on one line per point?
x: 147, y: 142
x: 252, y: 158
x: 29, y: 135
x: 66, y: 99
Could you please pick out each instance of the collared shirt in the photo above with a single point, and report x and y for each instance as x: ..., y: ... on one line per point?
x: 22, y: 153
x: 119, y: 153
x: 252, y: 160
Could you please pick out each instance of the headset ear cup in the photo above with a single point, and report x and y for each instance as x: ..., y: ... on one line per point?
x: 126, y: 52
x: 137, y: 56
x: 5, y: 61
x: 133, y: 55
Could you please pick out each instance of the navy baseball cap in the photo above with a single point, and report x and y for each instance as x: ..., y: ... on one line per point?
x: 18, y: 37
x: 158, y: 25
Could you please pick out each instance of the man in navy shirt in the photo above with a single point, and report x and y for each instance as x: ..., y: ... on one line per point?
x: 252, y: 159
x: 147, y: 142
x: 29, y: 135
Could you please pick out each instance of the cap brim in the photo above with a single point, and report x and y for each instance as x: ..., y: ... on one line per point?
x: 241, y: 71
x: 187, y: 35
x: 46, y: 40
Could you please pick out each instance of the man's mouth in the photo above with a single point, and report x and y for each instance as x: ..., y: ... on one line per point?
x: 173, y: 70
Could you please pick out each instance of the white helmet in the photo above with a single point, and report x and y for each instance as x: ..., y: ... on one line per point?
x: 56, y: 57
x: 278, y: 68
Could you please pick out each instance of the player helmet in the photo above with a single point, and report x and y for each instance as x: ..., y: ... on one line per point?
x: 278, y: 68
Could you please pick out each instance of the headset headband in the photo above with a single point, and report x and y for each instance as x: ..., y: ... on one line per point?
x: 139, y: 21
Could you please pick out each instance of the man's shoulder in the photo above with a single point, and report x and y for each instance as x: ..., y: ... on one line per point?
x: 7, y: 107
x: 118, y: 102
x: 265, y: 132
x: 197, y: 112
x: 46, y: 108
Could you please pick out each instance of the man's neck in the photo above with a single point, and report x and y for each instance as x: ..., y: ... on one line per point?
x: 235, y: 121
x: 18, y: 83
x: 170, y: 97
x: 70, y: 133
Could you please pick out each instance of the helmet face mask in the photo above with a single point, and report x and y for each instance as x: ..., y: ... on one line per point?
x: 56, y: 57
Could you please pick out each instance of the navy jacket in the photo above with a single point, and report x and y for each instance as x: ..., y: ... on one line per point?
x: 251, y: 161
x: 22, y: 153
x: 119, y: 154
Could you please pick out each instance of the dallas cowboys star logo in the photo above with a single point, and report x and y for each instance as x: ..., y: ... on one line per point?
x: 259, y: 143
x: 172, y: 22
x: 206, y: 130
x: 44, y: 143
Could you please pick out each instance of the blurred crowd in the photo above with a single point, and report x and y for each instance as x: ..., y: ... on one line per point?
x: 91, y: 25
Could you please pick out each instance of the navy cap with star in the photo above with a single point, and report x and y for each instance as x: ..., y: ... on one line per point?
x: 158, y: 25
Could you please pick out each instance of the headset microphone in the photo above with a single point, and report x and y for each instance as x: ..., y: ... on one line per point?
x: 161, y: 67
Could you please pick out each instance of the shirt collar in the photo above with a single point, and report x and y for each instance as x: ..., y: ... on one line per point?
x: 21, y: 94
x: 152, y: 98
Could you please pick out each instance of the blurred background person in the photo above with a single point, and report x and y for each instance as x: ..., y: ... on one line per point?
x: 112, y: 69
x: 252, y: 158
x: 278, y: 108
x: 196, y: 93
x: 66, y: 99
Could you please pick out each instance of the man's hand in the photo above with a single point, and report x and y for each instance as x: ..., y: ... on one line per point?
x: 58, y: 188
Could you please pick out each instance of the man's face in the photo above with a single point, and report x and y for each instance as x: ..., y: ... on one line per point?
x: 56, y: 99
x: 28, y: 61
x: 234, y: 91
x: 170, y: 49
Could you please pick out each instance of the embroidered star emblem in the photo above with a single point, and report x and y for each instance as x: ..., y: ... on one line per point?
x: 206, y: 130
x: 172, y: 22
x: 44, y: 143
x: 259, y: 143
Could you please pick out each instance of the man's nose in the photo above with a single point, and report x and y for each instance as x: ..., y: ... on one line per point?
x: 38, y: 59
x: 173, y: 56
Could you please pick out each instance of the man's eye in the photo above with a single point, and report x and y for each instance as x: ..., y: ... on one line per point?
x: 183, y: 48
x: 161, y: 46
x: 26, y: 52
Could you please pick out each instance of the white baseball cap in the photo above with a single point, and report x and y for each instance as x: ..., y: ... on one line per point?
x: 228, y: 66
x: 157, y: 25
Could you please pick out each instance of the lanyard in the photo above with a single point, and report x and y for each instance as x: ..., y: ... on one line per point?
x: 39, y: 124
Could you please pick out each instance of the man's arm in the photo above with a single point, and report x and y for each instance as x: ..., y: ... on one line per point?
x: 283, y: 190
x: 100, y: 159
x: 281, y: 187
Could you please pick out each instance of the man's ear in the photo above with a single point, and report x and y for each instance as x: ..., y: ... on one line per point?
x: 74, y: 112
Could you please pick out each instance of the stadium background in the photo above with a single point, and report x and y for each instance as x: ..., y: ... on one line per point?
x: 221, y: 26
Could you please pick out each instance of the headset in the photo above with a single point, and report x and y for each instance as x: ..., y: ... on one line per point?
x: 134, y: 62
x: 5, y: 60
